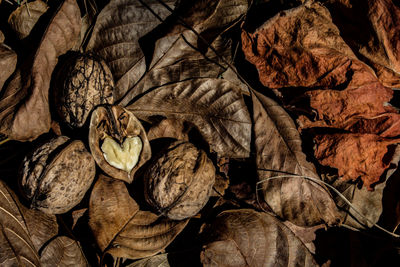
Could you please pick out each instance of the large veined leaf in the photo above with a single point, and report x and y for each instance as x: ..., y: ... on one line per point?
x: 16, y: 247
x: 63, y: 251
x: 214, y: 106
x: 154, y: 261
x: 8, y: 61
x: 24, y: 107
x: 279, y: 152
x: 143, y: 234
x: 250, y: 238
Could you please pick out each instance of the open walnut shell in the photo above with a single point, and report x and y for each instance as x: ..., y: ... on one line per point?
x: 118, y: 142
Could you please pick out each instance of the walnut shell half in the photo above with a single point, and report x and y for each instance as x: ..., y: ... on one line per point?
x: 118, y: 142
x: 179, y: 182
x: 57, y: 175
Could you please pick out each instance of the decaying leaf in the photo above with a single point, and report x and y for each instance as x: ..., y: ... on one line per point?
x: 25, y: 17
x: 355, y: 155
x: 121, y: 229
x: 63, y: 251
x: 249, y: 238
x: 279, y: 152
x: 169, y: 128
x: 118, y: 142
x: 16, y: 247
x: 154, y: 261
x: 373, y: 34
x: 175, y: 53
x: 24, y: 107
x: 8, y: 62
x: 214, y: 106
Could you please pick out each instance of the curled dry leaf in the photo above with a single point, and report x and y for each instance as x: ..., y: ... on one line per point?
x: 214, y: 106
x: 154, y: 261
x: 279, y: 152
x: 83, y: 82
x: 179, y: 181
x: 63, y: 251
x: 118, y: 142
x: 57, y: 175
x: 116, y: 34
x: 16, y: 247
x: 24, y: 103
x: 25, y: 17
x: 169, y: 128
x: 121, y: 229
x: 373, y: 34
x: 355, y: 155
x: 249, y: 238
x: 8, y: 62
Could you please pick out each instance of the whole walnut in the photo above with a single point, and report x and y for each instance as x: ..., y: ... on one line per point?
x: 56, y: 176
x: 179, y: 181
x: 83, y: 82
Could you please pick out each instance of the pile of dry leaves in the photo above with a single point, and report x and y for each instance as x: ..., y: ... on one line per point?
x: 199, y: 133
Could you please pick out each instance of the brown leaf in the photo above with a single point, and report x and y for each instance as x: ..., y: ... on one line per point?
x: 121, y: 229
x: 154, y: 261
x: 24, y: 105
x: 181, y: 56
x: 214, y: 106
x: 8, y: 62
x: 249, y: 238
x: 279, y: 152
x: 25, y: 17
x: 2, y: 37
x: 16, y: 247
x: 373, y: 34
x: 63, y: 251
x: 355, y: 155
x: 116, y: 35
x: 171, y: 128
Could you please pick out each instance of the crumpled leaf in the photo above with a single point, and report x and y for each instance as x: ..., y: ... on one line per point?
x: 249, y: 238
x: 169, y: 128
x: 24, y: 107
x: 16, y: 247
x: 279, y: 152
x: 63, y: 251
x: 25, y: 17
x: 8, y: 62
x: 214, y: 106
x: 116, y: 35
x: 180, y: 54
x: 373, y: 34
x: 355, y: 155
x: 121, y: 229
x: 154, y: 261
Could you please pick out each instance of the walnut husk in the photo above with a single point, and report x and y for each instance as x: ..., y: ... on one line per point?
x: 56, y: 176
x: 179, y: 181
x: 118, y: 124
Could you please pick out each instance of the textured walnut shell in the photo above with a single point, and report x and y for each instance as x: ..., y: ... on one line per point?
x: 83, y: 82
x: 179, y: 182
x: 119, y: 124
x: 56, y: 176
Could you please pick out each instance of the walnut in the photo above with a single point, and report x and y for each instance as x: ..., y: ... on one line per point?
x: 179, y: 181
x: 56, y: 176
x: 83, y: 82
x: 118, y: 142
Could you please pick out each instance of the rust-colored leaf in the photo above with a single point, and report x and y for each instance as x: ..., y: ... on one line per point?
x: 63, y: 251
x: 214, y: 106
x: 279, y: 152
x: 24, y: 105
x: 169, y: 128
x: 249, y: 238
x: 121, y: 229
x: 355, y: 155
x: 8, y: 62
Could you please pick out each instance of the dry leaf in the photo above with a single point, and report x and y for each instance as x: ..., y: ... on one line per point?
x: 279, y: 152
x: 169, y: 128
x: 355, y: 155
x: 24, y: 105
x: 121, y: 229
x: 249, y: 238
x: 1, y: 36
x: 63, y: 251
x: 372, y: 34
x: 181, y: 56
x: 154, y: 261
x: 8, y: 62
x: 25, y: 17
x: 16, y: 247
x: 214, y: 106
